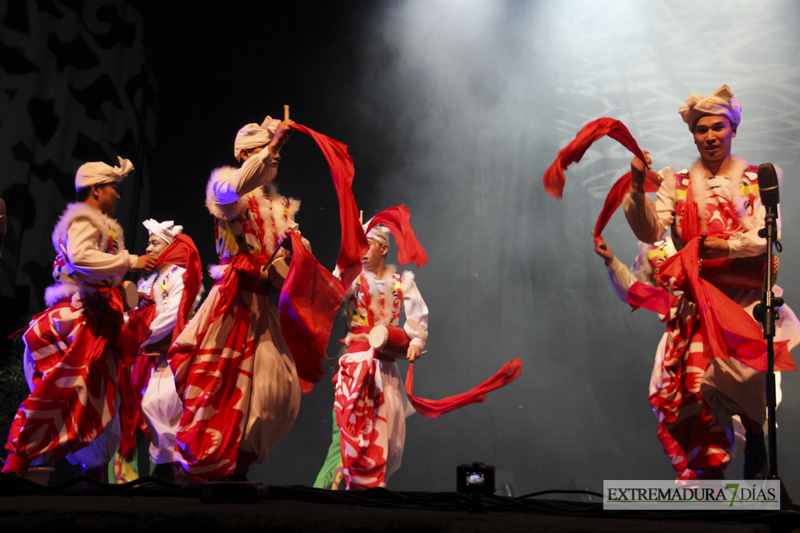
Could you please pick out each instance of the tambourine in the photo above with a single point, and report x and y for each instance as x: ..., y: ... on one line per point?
x: 741, y: 273
x: 130, y: 296
x: 389, y: 341
x: 274, y: 273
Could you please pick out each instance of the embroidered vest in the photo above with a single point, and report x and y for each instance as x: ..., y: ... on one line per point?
x: 64, y: 272
x: 362, y: 309
x: 255, y: 230
x: 722, y: 214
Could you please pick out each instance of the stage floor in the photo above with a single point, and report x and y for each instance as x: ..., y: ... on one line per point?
x: 156, y: 507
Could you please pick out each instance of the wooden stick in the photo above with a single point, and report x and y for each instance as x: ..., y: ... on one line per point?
x: 274, y: 253
x: 285, y: 112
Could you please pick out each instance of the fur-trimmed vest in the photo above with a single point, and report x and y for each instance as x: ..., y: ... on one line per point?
x: 253, y: 223
x: 68, y: 279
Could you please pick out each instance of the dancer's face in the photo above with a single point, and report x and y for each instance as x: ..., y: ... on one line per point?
x: 375, y: 256
x: 107, y: 196
x: 155, y: 245
x: 712, y: 136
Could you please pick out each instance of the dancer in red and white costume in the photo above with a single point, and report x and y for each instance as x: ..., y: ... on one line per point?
x: 714, y: 211
x: 371, y: 404
x: 171, y: 291
x: 71, y: 348
x: 232, y: 367
x: 623, y: 280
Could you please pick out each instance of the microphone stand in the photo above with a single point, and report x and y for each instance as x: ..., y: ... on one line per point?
x: 765, y: 312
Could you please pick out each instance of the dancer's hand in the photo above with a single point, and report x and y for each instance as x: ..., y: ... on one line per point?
x: 639, y: 171
x: 414, y: 352
x: 282, y: 134
x: 285, y: 240
x: 602, y: 249
x: 145, y: 263
x: 713, y: 248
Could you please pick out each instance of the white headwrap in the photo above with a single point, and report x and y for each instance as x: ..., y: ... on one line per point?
x: 720, y: 103
x: 98, y: 172
x: 163, y: 230
x: 253, y: 136
x: 379, y: 233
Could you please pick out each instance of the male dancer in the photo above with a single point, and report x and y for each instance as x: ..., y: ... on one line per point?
x: 232, y: 367
x: 715, y: 212
x: 623, y: 281
x: 70, y: 349
x: 371, y: 404
x: 171, y: 291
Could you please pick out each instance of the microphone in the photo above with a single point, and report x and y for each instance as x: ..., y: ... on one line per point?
x: 768, y: 185
x: 3, y: 224
x: 768, y: 189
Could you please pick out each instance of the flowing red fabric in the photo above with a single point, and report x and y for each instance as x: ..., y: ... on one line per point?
x: 216, y: 378
x: 130, y: 413
x: 651, y: 298
x: 354, y: 241
x: 554, y: 178
x: 617, y: 193
x: 434, y: 408
x: 398, y: 220
x: 135, y: 331
x: 244, y: 273
x: 132, y: 377
x: 727, y: 328
x: 310, y: 298
x: 74, y: 398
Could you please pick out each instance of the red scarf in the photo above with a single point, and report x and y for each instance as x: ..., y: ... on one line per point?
x: 433, y: 408
x: 398, y: 220
x: 354, y: 241
x: 310, y: 298
x: 554, y: 179
x: 727, y: 328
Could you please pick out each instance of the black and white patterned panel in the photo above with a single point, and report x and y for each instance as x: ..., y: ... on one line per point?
x: 74, y: 87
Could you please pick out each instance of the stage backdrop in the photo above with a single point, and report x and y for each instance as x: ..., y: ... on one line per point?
x: 76, y: 87
x: 456, y: 108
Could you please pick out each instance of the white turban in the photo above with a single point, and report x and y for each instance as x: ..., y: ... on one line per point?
x: 163, y: 230
x: 98, y: 172
x: 253, y: 136
x: 380, y: 234
x: 720, y: 103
